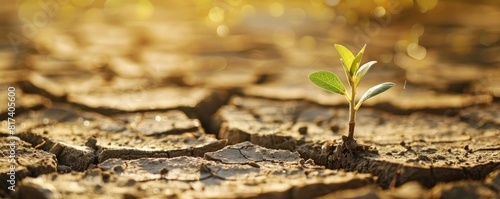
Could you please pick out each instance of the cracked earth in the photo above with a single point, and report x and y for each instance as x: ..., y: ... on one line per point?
x: 132, y: 110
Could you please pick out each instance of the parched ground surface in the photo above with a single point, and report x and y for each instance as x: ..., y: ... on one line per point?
x: 142, y: 110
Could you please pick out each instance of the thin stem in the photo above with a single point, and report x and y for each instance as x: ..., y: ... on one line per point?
x: 352, y: 112
x: 347, y: 97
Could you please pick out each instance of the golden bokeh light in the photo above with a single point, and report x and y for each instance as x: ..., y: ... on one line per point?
x: 386, y: 58
x: 426, y: 5
x: 285, y: 24
x: 276, y: 9
x: 379, y: 11
x: 401, y: 46
x: 217, y: 63
x: 248, y: 10
x: 216, y: 14
x: 416, y: 51
x: 144, y: 9
x: 222, y: 30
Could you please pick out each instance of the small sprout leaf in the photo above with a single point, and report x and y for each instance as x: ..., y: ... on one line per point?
x: 363, y: 69
x: 373, y: 91
x: 328, y: 81
x: 346, y: 55
x: 355, y: 63
x: 347, y: 73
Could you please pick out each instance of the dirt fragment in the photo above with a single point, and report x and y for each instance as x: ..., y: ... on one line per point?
x: 148, y: 99
x: 157, y: 123
x: 28, y: 162
x: 246, y: 152
x: 223, y: 78
x: 23, y: 101
x: 483, y: 116
x: 10, y: 77
x: 79, y: 138
x: 131, y: 146
x: 156, y: 134
x: 196, y: 102
x: 65, y: 141
x: 493, y: 180
x: 463, y: 190
x: 61, y: 83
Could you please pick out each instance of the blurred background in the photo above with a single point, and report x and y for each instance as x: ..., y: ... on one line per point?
x: 439, y: 46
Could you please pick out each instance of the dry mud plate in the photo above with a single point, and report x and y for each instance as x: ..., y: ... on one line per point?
x: 398, y: 149
x: 238, y: 171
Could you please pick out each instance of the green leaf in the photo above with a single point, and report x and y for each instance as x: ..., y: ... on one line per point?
x: 328, y: 81
x: 347, y: 73
x: 373, y: 91
x: 355, y: 63
x: 346, y: 56
x: 362, y: 71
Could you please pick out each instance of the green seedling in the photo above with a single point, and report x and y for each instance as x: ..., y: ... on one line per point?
x: 354, y: 73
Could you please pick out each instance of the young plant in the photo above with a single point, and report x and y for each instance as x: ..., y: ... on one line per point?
x: 354, y: 72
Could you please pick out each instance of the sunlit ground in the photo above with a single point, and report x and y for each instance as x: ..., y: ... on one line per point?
x: 237, y: 70
x: 426, y: 39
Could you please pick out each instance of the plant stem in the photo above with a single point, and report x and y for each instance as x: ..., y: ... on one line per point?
x: 352, y: 113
